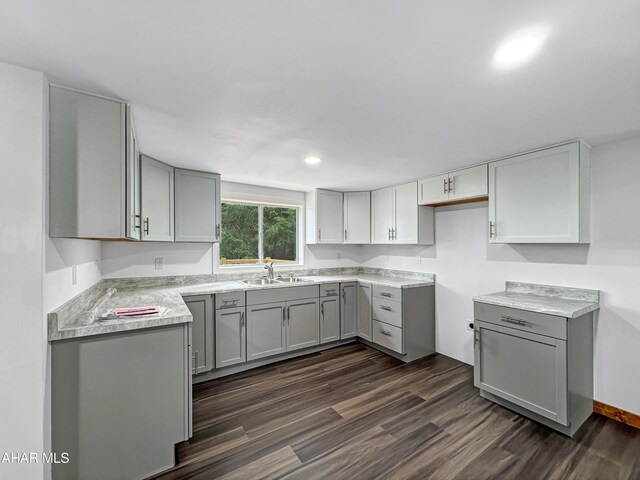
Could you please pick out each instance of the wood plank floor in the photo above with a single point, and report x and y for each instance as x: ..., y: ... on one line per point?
x: 354, y: 413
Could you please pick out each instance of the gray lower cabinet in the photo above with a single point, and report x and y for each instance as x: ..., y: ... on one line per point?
x: 201, y: 308
x: 348, y: 310
x: 266, y: 330
x: 231, y: 337
x: 364, y: 311
x: 538, y: 365
x: 197, y: 206
x: 303, y: 324
x: 403, y: 321
x: 329, y: 318
x: 120, y: 402
x: 157, y: 192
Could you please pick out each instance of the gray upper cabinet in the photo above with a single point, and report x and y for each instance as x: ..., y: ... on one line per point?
x: 357, y: 217
x: 92, y: 169
x: 348, y: 310
x: 324, y: 217
x: 397, y: 218
x: 465, y: 184
x: 541, y: 197
x: 157, y: 200
x: 201, y: 308
x: 197, y: 206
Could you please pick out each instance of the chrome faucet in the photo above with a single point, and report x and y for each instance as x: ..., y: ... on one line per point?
x: 269, y: 268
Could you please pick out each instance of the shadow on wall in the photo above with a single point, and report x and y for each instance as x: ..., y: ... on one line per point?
x: 395, y: 251
x: 349, y: 254
x: 538, y: 253
x: 62, y: 253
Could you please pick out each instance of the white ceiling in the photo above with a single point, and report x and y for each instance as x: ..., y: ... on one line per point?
x: 384, y: 91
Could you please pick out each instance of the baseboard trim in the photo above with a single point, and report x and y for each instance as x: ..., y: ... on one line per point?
x: 617, y: 414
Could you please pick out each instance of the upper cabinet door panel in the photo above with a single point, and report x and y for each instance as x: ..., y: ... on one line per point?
x: 469, y: 183
x: 87, y: 158
x: 381, y: 215
x: 329, y: 214
x: 406, y: 213
x: 434, y: 190
x: 134, y: 222
x: 157, y: 200
x: 536, y: 198
x: 197, y: 204
x: 357, y: 217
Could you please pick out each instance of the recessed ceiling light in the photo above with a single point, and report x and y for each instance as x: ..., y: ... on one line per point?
x: 312, y: 160
x: 519, y: 48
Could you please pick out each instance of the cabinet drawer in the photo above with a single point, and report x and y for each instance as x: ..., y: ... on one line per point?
x: 390, y: 293
x: 329, y: 289
x: 531, y: 322
x: 387, y: 311
x: 387, y: 336
x: 229, y: 300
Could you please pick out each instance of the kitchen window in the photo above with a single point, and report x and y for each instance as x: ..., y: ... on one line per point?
x: 256, y: 234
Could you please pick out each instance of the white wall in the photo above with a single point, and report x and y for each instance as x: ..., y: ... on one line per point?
x: 466, y: 265
x: 23, y: 341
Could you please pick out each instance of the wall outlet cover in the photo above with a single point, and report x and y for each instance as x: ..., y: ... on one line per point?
x: 159, y: 263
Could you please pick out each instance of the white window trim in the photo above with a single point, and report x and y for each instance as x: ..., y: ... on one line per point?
x: 299, y: 235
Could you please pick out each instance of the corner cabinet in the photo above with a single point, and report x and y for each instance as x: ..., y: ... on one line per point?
x: 93, y: 167
x: 324, y: 217
x: 466, y: 184
x: 357, y: 217
x: 197, y: 206
x: 397, y: 218
x: 541, y: 197
x: 157, y: 192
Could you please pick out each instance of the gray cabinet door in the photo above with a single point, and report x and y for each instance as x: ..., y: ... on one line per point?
x: 364, y: 311
x: 527, y: 369
x: 157, y: 200
x: 197, y: 206
x: 134, y: 218
x: 329, y: 319
x: 329, y: 215
x: 348, y: 310
x: 303, y: 324
x: 87, y: 172
x: 201, y: 308
x: 265, y: 330
x: 381, y: 215
x: 231, y: 337
x: 357, y: 217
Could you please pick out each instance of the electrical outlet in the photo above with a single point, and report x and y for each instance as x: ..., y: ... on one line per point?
x: 160, y: 263
x: 419, y: 259
x: 469, y: 325
x: 74, y: 275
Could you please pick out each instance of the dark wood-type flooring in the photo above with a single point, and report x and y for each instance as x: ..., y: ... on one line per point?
x: 354, y: 413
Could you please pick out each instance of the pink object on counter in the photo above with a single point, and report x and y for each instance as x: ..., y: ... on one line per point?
x: 133, y: 311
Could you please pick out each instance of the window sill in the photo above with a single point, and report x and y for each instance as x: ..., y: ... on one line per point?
x: 260, y: 267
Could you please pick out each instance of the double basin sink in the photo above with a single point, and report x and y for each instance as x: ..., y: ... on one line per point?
x: 256, y: 282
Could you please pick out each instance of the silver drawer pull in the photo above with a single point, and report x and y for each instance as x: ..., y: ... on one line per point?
x: 232, y: 302
x: 385, y: 294
x: 331, y: 291
x: 385, y: 332
x: 514, y: 321
x: 384, y: 307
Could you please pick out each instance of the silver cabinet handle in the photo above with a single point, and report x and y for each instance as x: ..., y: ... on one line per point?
x: 284, y: 317
x: 196, y: 358
x: 491, y: 227
x: 385, y: 332
x: 389, y: 233
x: 344, y: 295
x: 385, y: 294
x: 394, y: 236
x: 514, y: 321
x: 444, y: 186
x: 231, y: 303
x: 319, y: 234
x: 146, y: 226
x: 322, y: 310
x: 385, y: 307
x: 449, y: 188
x: 138, y: 225
x: 288, y: 315
x: 218, y: 230
x: 345, y: 234
x: 241, y: 319
x: 330, y: 292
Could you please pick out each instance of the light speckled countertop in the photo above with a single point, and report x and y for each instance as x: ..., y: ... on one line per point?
x: 64, y: 322
x: 551, y: 300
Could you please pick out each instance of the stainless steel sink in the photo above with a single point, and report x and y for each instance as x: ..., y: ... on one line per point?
x: 258, y: 281
x: 292, y: 280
